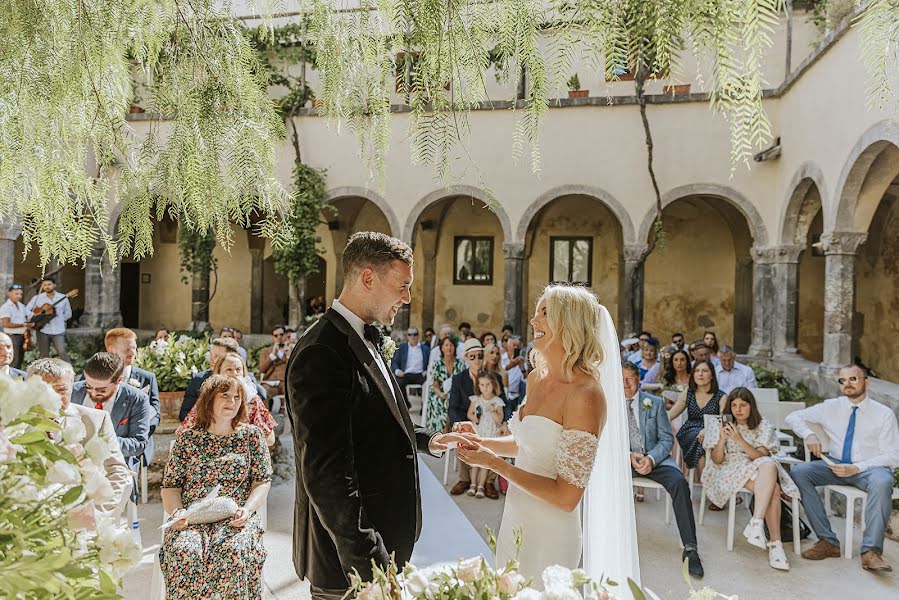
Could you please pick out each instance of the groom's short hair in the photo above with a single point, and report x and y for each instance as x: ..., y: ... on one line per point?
x: 374, y: 250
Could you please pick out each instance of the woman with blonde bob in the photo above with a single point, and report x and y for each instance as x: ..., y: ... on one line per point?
x: 565, y: 426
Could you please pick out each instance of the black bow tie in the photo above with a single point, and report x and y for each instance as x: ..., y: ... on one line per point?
x: 373, y: 335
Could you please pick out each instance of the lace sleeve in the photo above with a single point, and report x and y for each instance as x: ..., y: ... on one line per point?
x: 576, y: 455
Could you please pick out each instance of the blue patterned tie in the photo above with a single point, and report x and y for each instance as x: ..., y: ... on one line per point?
x: 847, y: 443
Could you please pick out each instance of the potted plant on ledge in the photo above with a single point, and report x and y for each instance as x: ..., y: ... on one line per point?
x: 174, y: 363
x: 574, y: 88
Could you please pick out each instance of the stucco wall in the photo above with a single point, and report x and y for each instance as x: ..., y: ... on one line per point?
x: 165, y: 300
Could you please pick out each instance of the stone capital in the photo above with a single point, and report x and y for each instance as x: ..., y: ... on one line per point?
x: 843, y: 242
x: 785, y: 254
x: 10, y: 229
x: 514, y: 251
x: 633, y: 252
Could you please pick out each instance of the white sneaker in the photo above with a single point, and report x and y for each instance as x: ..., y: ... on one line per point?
x: 776, y: 556
x: 755, y: 534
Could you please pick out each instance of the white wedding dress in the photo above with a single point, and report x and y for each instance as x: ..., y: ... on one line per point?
x: 550, y: 536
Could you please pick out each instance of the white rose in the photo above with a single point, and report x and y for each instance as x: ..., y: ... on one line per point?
x: 97, y: 450
x: 63, y: 473
x: 510, y: 583
x: 7, y: 449
x: 98, y: 487
x: 42, y: 395
x: 12, y: 405
x: 24, y: 494
x: 118, y: 549
x: 529, y: 594
x: 74, y: 431
x: 470, y: 570
x: 416, y: 583
x: 371, y: 592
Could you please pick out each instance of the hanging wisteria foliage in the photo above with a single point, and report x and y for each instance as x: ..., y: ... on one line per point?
x: 67, y: 69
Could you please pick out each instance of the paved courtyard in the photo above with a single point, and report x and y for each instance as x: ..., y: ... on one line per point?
x: 455, y: 527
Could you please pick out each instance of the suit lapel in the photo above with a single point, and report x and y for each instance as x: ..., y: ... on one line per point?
x: 644, y: 416
x: 370, y: 365
x: 119, y: 408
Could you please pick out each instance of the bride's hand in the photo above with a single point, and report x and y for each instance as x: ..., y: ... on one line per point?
x: 464, y: 427
x: 478, y: 456
x: 441, y: 441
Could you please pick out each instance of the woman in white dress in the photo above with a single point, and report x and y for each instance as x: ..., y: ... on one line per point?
x: 555, y: 436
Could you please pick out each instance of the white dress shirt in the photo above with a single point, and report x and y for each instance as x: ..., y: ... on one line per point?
x: 358, y: 326
x: 57, y: 325
x: 16, y: 313
x: 740, y: 376
x: 876, y: 439
x: 414, y: 363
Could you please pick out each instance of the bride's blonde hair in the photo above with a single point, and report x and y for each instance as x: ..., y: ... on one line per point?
x: 573, y: 314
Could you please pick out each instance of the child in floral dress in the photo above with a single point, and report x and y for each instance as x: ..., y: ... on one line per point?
x: 486, y: 412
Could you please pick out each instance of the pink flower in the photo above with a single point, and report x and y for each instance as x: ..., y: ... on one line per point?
x: 510, y: 583
x: 82, y: 517
x: 7, y: 450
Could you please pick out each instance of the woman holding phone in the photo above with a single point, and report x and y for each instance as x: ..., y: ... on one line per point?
x: 741, y: 446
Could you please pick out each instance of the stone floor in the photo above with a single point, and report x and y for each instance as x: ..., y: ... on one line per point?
x: 451, y: 525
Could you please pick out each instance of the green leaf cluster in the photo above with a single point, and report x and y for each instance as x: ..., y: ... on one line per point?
x: 786, y: 390
x: 176, y: 361
x: 299, y: 257
x: 196, y: 251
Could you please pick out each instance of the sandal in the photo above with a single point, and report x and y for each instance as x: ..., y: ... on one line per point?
x: 755, y: 534
x: 777, y: 558
x: 480, y: 492
x: 471, y: 491
x: 716, y: 508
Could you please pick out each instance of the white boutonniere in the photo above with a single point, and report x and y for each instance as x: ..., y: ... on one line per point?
x: 134, y: 383
x: 647, y: 403
x: 388, y: 348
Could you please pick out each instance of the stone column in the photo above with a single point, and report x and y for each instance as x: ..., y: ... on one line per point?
x: 9, y: 232
x: 630, y: 309
x: 786, y: 303
x: 743, y: 302
x: 256, y: 307
x: 764, y: 299
x: 513, y: 288
x: 429, y: 289
x: 102, y: 288
x: 840, y: 249
x: 339, y: 238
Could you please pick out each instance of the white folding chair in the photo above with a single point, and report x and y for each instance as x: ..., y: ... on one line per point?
x: 414, y: 390
x: 645, y: 482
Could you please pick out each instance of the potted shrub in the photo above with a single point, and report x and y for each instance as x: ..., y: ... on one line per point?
x: 677, y: 90
x: 574, y: 88
x: 174, y: 363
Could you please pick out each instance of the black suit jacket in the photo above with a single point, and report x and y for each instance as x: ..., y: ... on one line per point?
x: 357, y: 495
x: 192, y: 394
x: 462, y: 390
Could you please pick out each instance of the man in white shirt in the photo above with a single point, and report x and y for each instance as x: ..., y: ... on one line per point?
x: 55, y: 330
x: 6, y: 357
x: 864, y: 450
x: 513, y: 362
x: 732, y: 374
x: 14, y: 318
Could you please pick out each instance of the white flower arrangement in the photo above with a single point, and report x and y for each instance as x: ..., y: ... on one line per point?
x: 473, y: 578
x: 388, y: 348
x: 58, y: 544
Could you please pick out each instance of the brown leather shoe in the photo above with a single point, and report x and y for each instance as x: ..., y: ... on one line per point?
x: 871, y: 561
x: 460, y: 488
x: 490, y: 491
x: 821, y: 550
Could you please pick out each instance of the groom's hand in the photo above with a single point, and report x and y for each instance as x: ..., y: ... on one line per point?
x: 441, y: 441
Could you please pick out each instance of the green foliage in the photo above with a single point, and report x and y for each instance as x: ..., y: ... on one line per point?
x: 574, y: 83
x: 827, y: 14
x: 253, y: 358
x: 196, y: 252
x: 787, y: 391
x: 175, y: 361
x: 300, y: 257
x: 280, y: 50
x: 67, y: 74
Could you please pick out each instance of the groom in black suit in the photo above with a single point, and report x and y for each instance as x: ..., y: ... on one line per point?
x: 357, y: 497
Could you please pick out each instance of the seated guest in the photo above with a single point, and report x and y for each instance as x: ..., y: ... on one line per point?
x: 628, y: 347
x: 59, y: 375
x: 677, y: 375
x: 701, y: 352
x: 222, y: 559
x: 217, y: 348
x: 701, y: 398
x: 741, y: 450
x: 440, y: 374
x: 513, y: 363
x: 123, y: 343
x: 14, y: 322
x: 230, y: 332
x: 732, y: 374
x: 493, y: 363
x: 651, y: 442
x: 864, y: 445
x: 232, y: 365
x: 711, y: 340
x: 485, y: 411
x: 429, y: 338
x: 505, y: 333
x: 7, y: 358
x: 637, y: 354
x: 677, y: 340
x: 649, y: 362
x: 410, y: 361
x: 273, y: 363
x: 463, y: 388
x: 162, y: 335
x: 445, y: 332
x: 132, y: 415
x: 488, y: 337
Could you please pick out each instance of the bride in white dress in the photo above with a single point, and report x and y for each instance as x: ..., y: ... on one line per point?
x: 556, y: 437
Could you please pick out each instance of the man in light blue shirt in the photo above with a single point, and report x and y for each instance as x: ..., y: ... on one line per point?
x: 54, y: 331
x: 732, y: 374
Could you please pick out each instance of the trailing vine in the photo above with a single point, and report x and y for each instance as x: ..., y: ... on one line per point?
x: 299, y: 258
x: 196, y: 250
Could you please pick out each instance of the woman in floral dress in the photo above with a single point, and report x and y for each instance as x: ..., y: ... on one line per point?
x: 221, y: 560
x: 231, y: 363
x: 440, y: 371
x: 741, y: 454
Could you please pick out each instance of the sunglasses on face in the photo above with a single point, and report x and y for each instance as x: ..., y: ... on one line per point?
x: 411, y: 334
x: 478, y: 356
x: 853, y: 379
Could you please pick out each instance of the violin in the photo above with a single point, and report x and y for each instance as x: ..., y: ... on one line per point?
x: 46, y: 312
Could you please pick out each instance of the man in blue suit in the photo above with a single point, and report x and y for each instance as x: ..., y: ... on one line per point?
x: 410, y: 361
x: 129, y: 408
x: 217, y: 348
x: 651, y: 442
x: 6, y: 358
